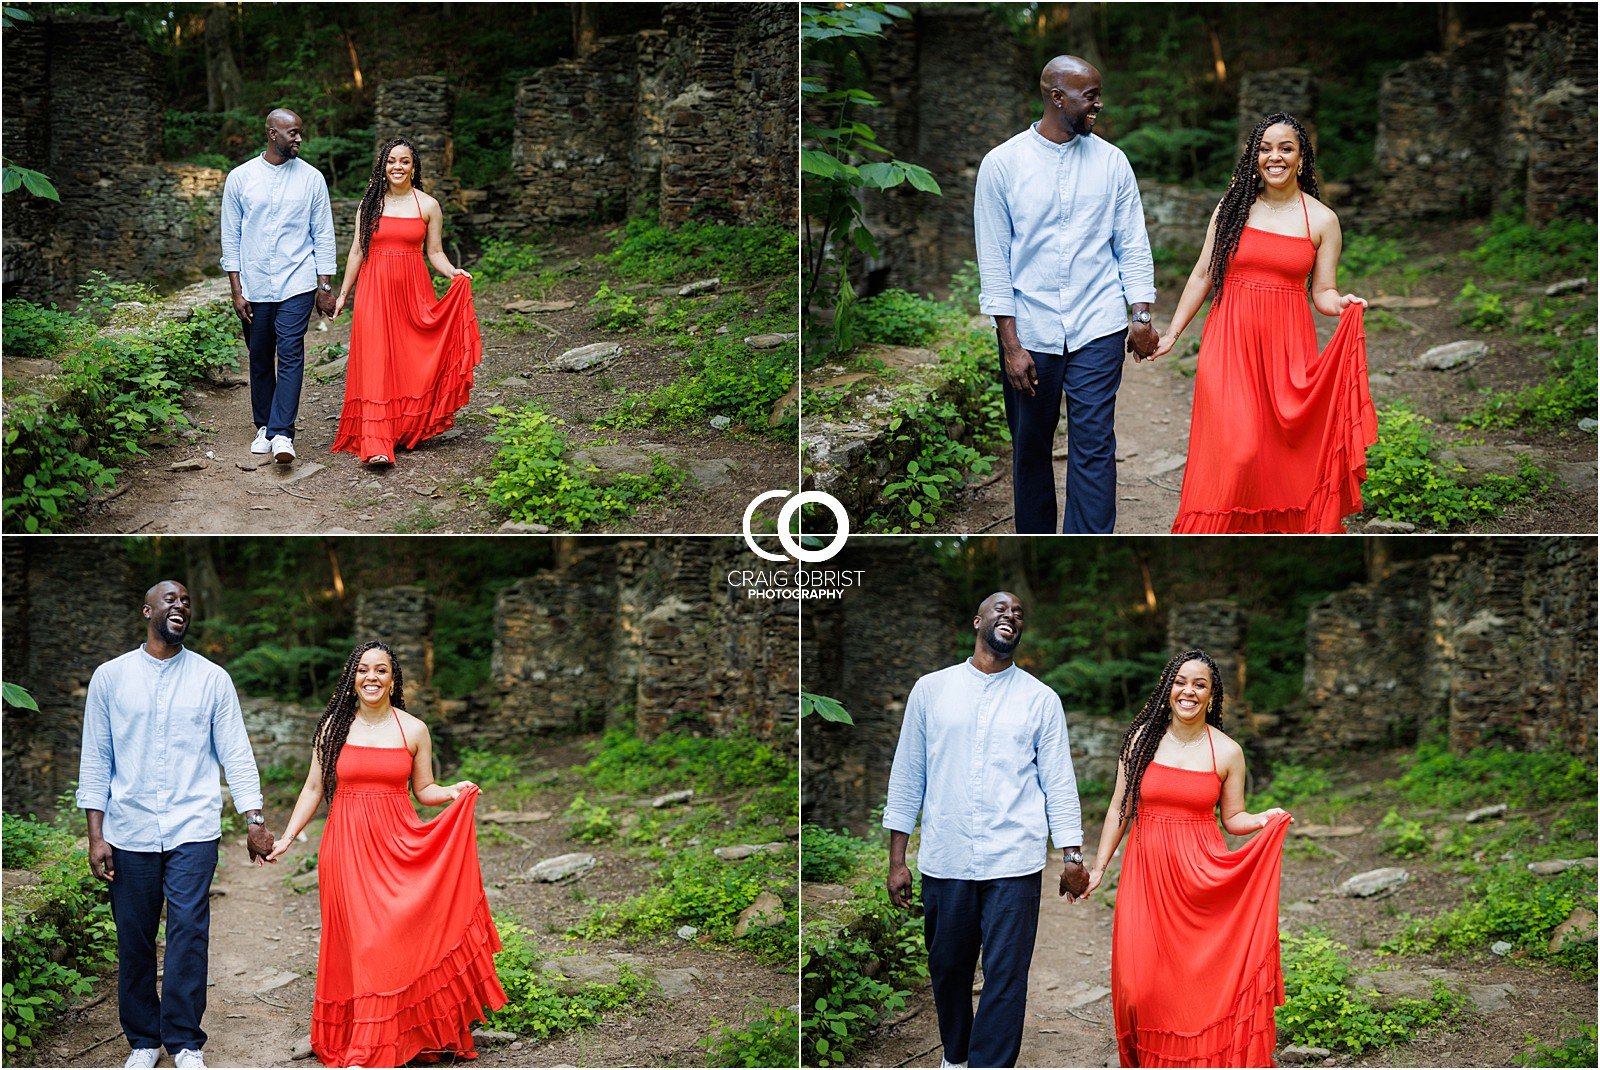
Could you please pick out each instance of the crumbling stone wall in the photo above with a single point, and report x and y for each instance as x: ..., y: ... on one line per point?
x: 87, y: 113
x: 422, y: 110
x: 1290, y: 89
x: 402, y: 618
x: 1509, y: 111
x: 1217, y: 626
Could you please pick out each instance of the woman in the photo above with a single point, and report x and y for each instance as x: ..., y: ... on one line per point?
x: 1278, y: 440
x: 407, y: 958
x: 411, y: 355
x: 1195, y: 973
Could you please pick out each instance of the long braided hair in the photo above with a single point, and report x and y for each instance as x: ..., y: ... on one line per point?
x: 1234, y: 210
x: 378, y: 185
x: 1144, y: 735
x: 334, y: 726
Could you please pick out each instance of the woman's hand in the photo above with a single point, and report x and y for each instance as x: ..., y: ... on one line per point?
x: 1266, y: 816
x: 1164, y: 346
x: 462, y: 271
x: 280, y: 848
x: 338, y: 305
x: 1095, y: 876
x: 1346, y: 300
x: 455, y: 790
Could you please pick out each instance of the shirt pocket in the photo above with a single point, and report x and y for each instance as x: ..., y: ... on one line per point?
x: 1092, y: 212
x: 192, y: 720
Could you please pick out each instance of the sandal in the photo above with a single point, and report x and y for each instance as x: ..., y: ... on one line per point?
x: 378, y: 461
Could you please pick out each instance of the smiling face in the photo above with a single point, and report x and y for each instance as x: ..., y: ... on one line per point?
x: 284, y: 133
x: 1078, y: 94
x: 999, y: 622
x: 374, y: 677
x: 1278, y: 156
x: 399, y: 166
x: 166, y: 607
x: 1191, y: 692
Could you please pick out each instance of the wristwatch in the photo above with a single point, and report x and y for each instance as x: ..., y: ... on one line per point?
x: 1140, y: 317
x: 256, y: 819
x: 327, y: 288
x: 1073, y: 856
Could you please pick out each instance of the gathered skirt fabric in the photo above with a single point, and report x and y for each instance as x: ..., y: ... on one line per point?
x: 407, y: 957
x: 411, y: 355
x: 1196, y: 975
x: 1279, y: 433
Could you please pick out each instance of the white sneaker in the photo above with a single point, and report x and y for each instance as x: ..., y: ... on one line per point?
x: 260, y: 445
x: 188, y: 1057
x: 944, y: 1063
x: 143, y: 1057
x: 282, y: 450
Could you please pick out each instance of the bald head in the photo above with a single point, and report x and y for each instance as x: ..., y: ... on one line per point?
x: 166, y: 609
x: 1062, y: 68
x: 998, y: 625
x: 284, y: 135
x: 988, y: 603
x: 1070, y: 87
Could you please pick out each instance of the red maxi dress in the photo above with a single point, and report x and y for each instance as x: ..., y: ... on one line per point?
x: 1279, y: 435
x: 407, y: 958
x: 1195, y: 970
x: 411, y: 354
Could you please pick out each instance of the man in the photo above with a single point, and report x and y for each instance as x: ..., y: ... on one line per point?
x: 1063, y: 257
x: 277, y: 248
x: 157, y: 723
x: 983, y: 755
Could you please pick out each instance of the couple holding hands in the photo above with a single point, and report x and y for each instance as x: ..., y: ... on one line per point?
x: 412, y: 355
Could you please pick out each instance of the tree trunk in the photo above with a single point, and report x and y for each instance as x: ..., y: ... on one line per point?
x: 1450, y: 29
x: 585, y: 28
x: 203, y: 579
x: 224, y: 83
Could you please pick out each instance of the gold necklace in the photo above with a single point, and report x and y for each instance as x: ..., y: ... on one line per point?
x: 1197, y: 739
x: 1294, y: 202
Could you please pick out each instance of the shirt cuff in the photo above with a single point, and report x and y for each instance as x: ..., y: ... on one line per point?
x: 897, y: 822
x: 1141, y: 297
x: 230, y: 265
x: 332, y: 268
x: 92, y: 800
x: 997, y: 306
x: 1072, y: 837
x: 247, y: 803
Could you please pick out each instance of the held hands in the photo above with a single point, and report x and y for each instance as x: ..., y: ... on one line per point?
x: 1164, y: 346
x: 1074, y: 881
x: 1142, y: 341
x: 326, y: 303
x: 279, y: 849
x: 900, y: 886
x: 1096, y: 875
x: 338, y: 304
x: 259, y: 842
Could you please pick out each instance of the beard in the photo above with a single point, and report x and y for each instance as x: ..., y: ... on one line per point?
x: 1000, y: 646
x: 165, y: 633
x: 1080, y: 126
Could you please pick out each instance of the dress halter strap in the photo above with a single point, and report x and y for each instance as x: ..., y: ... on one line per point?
x: 1213, y: 754
x: 414, y: 197
x: 407, y: 745
x: 1303, y: 211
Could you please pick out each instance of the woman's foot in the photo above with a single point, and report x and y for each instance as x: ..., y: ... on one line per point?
x: 381, y: 460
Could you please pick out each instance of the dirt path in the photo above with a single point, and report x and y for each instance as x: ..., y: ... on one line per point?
x: 219, y: 487
x: 1154, y: 403
x: 265, y: 929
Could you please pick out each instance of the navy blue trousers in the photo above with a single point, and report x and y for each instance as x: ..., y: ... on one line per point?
x: 1089, y: 377
x: 999, y: 918
x: 276, y: 336
x: 144, y: 880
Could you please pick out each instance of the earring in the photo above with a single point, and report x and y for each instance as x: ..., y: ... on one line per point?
x: 1299, y: 167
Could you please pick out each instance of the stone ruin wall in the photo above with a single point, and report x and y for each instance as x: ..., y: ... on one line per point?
x: 423, y: 111
x: 88, y: 117
x: 1491, y: 644
x: 618, y: 632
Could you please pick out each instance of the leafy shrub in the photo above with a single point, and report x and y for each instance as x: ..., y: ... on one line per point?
x: 615, y: 311
x: 724, y: 377
x: 623, y: 762
x: 534, y: 482
x: 829, y: 857
x: 1559, y: 400
x: 289, y: 672
x: 1580, y: 1049
x: 1480, y: 309
x: 643, y: 249
x: 1367, y: 254
x: 851, y: 978
x: 58, y: 934
x: 1436, y: 777
x: 502, y: 260
x: 896, y: 317
x: 32, y: 331
x: 536, y: 1006
x: 1513, y: 249
x: 590, y: 822
x: 1290, y: 785
x: 771, y: 1039
x: 1511, y: 904
x: 486, y: 768
x: 1322, y: 1009
x: 1404, y: 837
x: 1405, y: 483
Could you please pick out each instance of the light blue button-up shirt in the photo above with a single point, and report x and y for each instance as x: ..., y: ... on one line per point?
x: 984, y: 757
x: 1061, y: 240
x: 154, y: 734
x: 277, y: 228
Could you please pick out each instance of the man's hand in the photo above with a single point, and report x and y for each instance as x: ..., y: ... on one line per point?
x: 1142, y: 339
x: 242, y: 309
x: 900, y: 886
x: 327, y: 303
x: 1020, y: 370
x: 259, y: 842
x: 1074, y: 881
x: 100, y: 859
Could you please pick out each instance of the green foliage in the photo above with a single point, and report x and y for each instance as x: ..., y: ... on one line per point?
x: 536, y: 1006
x: 31, y: 331
x: 1364, y: 254
x: 1507, y: 902
x: 1580, y: 1049
x: 843, y: 158
x: 112, y: 395
x: 829, y: 857
x: 853, y: 975
x: 487, y: 768
x: 1323, y: 1009
x: 345, y: 160
x: 1529, y: 252
x: 771, y: 1039
x: 966, y: 285
x: 502, y: 259
x: 1568, y: 393
x: 18, y: 697
x: 14, y: 177
x: 1173, y: 153
x: 1100, y: 683
x: 1404, y: 837
x: 58, y: 935
x: 289, y: 672
x: 724, y: 377
x: 533, y: 480
x: 625, y: 763
x: 649, y: 252
x: 1289, y: 786
x: 1405, y: 483
x: 1435, y: 777
x: 1480, y: 309
x: 590, y: 822
x: 824, y: 707
x: 899, y: 318
x: 615, y: 311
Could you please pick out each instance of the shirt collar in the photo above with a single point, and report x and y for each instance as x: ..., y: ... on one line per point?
x: 981, y: 675
x: 161, y: 663
x: 1051, y: 146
